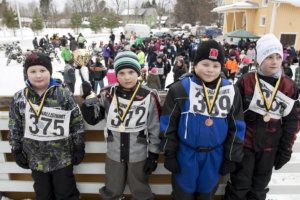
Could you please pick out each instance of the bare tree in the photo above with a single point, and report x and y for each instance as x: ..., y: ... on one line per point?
x: 118, y: 4
x: 160, y: 7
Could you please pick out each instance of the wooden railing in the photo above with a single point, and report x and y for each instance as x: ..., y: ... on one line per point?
x: 17, y: 183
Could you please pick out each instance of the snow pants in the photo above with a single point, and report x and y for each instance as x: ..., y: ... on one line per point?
x: 253, y: 174
x: 115, y: 181
x: 58, y: 185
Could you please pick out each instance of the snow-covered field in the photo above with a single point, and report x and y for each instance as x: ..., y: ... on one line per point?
x: 11, y: 80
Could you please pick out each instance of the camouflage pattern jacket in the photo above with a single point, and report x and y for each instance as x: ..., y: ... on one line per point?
x: 49, y: 139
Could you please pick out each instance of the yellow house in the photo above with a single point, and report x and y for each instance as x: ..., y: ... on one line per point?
x: 280, y: 17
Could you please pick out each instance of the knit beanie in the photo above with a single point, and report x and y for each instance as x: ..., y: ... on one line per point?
x: 127, y: 59
x: 267, y: 45
x: 38, y: 59
x: 210, y: 50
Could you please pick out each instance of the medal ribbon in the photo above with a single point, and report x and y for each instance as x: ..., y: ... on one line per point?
x: 266, y: 102
x: 41, y: 104
x: 129, y: 104
x: 211, y: 104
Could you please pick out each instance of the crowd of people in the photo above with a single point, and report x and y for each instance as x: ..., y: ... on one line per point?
x: 211, y: 124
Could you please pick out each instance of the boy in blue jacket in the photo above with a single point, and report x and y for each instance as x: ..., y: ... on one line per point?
x: 203, y: 127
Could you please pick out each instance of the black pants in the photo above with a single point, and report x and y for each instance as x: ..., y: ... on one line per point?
x: 179, y: 194
x: 250, y: 180
x: 56, y: 185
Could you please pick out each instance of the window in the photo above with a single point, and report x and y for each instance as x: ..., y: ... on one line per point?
x: 263, y: 20
x: 265, y: 3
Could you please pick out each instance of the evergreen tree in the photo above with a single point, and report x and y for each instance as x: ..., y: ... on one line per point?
x: 3, y: 8
x: 11, y: 20
x: 111, y: 21
x: 37, y: 23
x: 76, y: 21
x: 153, y: 3
x: 96, y: 22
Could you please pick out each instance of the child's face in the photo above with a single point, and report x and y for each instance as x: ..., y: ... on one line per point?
x: 39, y: 77
x: 208, y: 70
x: 271, y: 64
x: 127, y: 78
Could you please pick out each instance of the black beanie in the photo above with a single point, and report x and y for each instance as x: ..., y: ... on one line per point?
x: 38, y: 59
x: 210, y: 50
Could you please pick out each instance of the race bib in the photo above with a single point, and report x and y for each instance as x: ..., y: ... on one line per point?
x: 52, y: 124
x: 160, y: 71
x: 222, y: 104
x: 281, y: 106
x: 136, y: 116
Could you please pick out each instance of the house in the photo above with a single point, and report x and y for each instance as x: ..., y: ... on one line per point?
x: 264, y: 16
x: 140, y: 16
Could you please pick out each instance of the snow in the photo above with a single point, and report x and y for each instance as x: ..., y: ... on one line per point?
x: 11, y: 80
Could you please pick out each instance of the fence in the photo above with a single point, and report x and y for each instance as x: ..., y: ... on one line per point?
x: 17, y: 183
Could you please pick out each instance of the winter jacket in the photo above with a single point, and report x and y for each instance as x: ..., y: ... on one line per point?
x: 183, y: 117
x: 141, y: 57
x: 232, y: 66
x: 111, y: 77
x: 73, y: 45
x: 60, y: 120
x: 141, y: 122
x: 98, y: 71
x: 179, y: 71
x: 251, y: 53
x: 65, y: 54
x: 106, y: 51
x: 69, y: 74
x: 161, y: 68
x: 288, y: 71
x: 153, y: 81
x: 280, y: 132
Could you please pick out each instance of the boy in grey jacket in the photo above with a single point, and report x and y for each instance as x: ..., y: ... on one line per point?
x: 132, y: 129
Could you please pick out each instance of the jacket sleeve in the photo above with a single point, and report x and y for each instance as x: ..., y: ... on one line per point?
x: 153, y: 124
x: 234, y: 143
x: 290, y: 125
x: 93, y: 110
x: 76, y: 122
x: 169, y: 121
x: 16, y: 129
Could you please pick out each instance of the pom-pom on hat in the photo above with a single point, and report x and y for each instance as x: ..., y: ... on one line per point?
x: 127, y: 59
x: 246, y: 59
x: 210, y: 50
x: 38, y: 59
x: 267, y: 45
x: 153, y: 70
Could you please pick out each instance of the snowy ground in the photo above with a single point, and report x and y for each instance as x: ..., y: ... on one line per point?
x: 11, y: 80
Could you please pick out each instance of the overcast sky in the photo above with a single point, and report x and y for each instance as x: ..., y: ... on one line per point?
x: 61, y: 3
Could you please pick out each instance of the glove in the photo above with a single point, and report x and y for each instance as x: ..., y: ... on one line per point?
x: 281, y: 159
x: 20, y: 158
x: 78, y: 154
x: 171, y: 162
x: 85, y: 89
x: 227, y: 167
x: 151, y: 163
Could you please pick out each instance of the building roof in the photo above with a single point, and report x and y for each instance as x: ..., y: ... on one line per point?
x: 237, y: 5
x: 295, y: 3
x: 139, y: 11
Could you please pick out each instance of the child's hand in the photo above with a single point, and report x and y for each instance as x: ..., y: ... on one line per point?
x: 281, y: 159
x: 20, y: 158
x: 78, y: 154
x: 227, y: 167
x: 171, y: 162
x: 151, y: 163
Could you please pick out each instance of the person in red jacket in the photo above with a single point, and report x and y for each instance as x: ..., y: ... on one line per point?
x: 271, y: 111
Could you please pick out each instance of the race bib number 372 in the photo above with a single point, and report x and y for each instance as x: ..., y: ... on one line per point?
x: 52, y: 124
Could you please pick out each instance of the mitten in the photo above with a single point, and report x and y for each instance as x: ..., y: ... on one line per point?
x: 171, y: 162
x: 151, y: 163
x: 85, y: 89
x: 281, y: 159
x: 20, y: 158
x: 78, y: 154
x: 227, y: 167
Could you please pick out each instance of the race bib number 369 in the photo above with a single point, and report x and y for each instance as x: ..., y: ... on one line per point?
x: 52, y: 124
x: 222, y: 104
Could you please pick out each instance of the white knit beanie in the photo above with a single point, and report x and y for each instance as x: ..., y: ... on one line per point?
x: 267, y: 45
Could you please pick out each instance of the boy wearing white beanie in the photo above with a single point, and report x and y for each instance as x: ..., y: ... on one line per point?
x: 271, y: 116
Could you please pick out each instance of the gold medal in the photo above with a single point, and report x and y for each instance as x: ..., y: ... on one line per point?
x: 266, y: 117
x: 121, y: 128
x: 209, y: 122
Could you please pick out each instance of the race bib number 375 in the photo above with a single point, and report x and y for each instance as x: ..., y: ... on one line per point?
x: 222, y: 104
x: 52, y: 124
